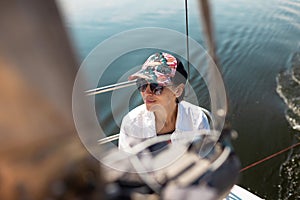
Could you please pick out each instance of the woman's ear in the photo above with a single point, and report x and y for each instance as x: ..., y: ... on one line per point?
x: 179, y: 89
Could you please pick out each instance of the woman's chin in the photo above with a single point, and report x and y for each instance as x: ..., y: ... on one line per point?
x: 153, y: 107
x: 149, y: 107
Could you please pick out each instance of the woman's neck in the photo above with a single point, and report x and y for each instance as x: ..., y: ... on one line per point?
x: 165, y: 121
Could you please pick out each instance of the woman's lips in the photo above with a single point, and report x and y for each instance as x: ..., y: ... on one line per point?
x: 149, y: 100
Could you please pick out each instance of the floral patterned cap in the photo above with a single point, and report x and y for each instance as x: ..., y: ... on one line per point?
x: 159, y: 68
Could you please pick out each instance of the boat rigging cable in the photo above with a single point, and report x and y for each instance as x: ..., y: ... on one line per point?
x: 269, y: 157
x: 108, y: 88
x: 187, y: 38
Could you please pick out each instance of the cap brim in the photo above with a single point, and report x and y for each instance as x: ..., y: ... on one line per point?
x: 139, y: 75
x: 149, y: 78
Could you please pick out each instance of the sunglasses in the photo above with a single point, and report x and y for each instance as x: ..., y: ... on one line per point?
x: 155, y: 88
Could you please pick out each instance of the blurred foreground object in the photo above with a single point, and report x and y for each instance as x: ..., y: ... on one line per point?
x: 205, y: 167
x: 40, y: 153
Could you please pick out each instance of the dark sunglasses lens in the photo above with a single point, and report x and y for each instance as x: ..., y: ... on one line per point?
x: 156, y: 88
x: 141, y: 85
x: 142, y: 88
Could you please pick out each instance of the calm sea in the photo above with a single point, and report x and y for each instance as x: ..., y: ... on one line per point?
x: 258, y: 47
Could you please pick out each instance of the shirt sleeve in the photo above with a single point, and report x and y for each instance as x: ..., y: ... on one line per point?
x: 123, y: 136
x: 191, y: 117
x: 126, y: 137
x: 204, y: 123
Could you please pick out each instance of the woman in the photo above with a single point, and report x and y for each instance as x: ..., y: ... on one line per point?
x: 161, y: 82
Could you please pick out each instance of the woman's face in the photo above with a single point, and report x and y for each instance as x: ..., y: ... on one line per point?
x: 166, y: 100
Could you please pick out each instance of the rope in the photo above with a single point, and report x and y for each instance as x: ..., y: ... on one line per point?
x: 269, y: 157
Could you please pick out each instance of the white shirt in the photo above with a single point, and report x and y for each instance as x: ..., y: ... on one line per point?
x: 140, y: 123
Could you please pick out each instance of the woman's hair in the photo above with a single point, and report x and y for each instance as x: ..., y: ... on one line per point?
x: 180, y: 77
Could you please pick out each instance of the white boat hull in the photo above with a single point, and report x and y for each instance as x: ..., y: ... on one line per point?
x: 239, y: 193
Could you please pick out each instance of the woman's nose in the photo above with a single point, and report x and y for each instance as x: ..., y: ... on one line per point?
x: 148, y: 90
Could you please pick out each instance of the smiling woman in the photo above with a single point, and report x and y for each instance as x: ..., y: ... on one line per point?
x: 161, y: 82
